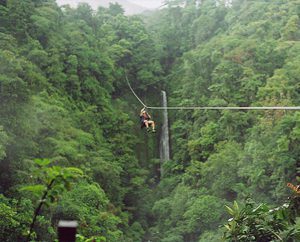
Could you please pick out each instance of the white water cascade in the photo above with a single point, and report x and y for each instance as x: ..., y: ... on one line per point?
x: 164, y: 140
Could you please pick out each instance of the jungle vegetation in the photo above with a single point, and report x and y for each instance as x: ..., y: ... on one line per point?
x: 71, y: 146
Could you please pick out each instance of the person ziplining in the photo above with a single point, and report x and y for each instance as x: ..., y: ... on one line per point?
x: 145, y: 119
x: 212, y: 107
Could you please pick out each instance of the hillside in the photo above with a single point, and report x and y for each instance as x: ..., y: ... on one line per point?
x: 73, y: 145
x: 129, y: 7
x: 245, y: 54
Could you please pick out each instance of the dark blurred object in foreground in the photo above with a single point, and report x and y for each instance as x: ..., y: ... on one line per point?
x: 67, y: 231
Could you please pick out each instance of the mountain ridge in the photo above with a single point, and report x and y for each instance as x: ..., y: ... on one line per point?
x: 130, y: 8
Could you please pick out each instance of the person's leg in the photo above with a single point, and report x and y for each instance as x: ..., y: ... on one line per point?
x: 147, y: 125
x: 152, y: 123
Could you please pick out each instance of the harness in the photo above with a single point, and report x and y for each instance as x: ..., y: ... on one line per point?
x: 144, y: 117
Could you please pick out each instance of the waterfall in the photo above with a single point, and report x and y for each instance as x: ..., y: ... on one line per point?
x: 164, y: 140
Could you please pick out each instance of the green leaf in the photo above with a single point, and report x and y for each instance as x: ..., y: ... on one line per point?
x: 230, y: 210
x: 227, y: 227
x: 42, y: 162
x: 236, y: 206
x: 34, y: 188
x: 72, y: 172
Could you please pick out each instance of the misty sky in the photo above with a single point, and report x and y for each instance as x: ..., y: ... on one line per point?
x: 144, y: 3
x: 148, y: 3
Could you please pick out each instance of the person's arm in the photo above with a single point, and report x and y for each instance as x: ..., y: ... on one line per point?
x: 142, y: 110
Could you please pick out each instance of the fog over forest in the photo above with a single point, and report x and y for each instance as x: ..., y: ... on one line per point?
x: 149, y: 4
x: 179, y: 124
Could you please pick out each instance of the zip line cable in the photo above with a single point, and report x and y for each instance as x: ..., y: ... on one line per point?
x: 134, y: 92
x: 209, y: 108
x: 224, y: 108
x: 203, y: 107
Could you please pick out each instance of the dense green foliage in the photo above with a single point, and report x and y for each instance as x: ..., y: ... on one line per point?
x: 63, y: 99
x: 62, y: 77
x: 218, y: 54
x: 260, y: 223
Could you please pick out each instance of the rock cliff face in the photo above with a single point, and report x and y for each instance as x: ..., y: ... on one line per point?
x: 129, y: 7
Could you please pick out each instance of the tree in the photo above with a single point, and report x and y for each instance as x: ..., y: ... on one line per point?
x: 54, y: 181
x: 115, y: 9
